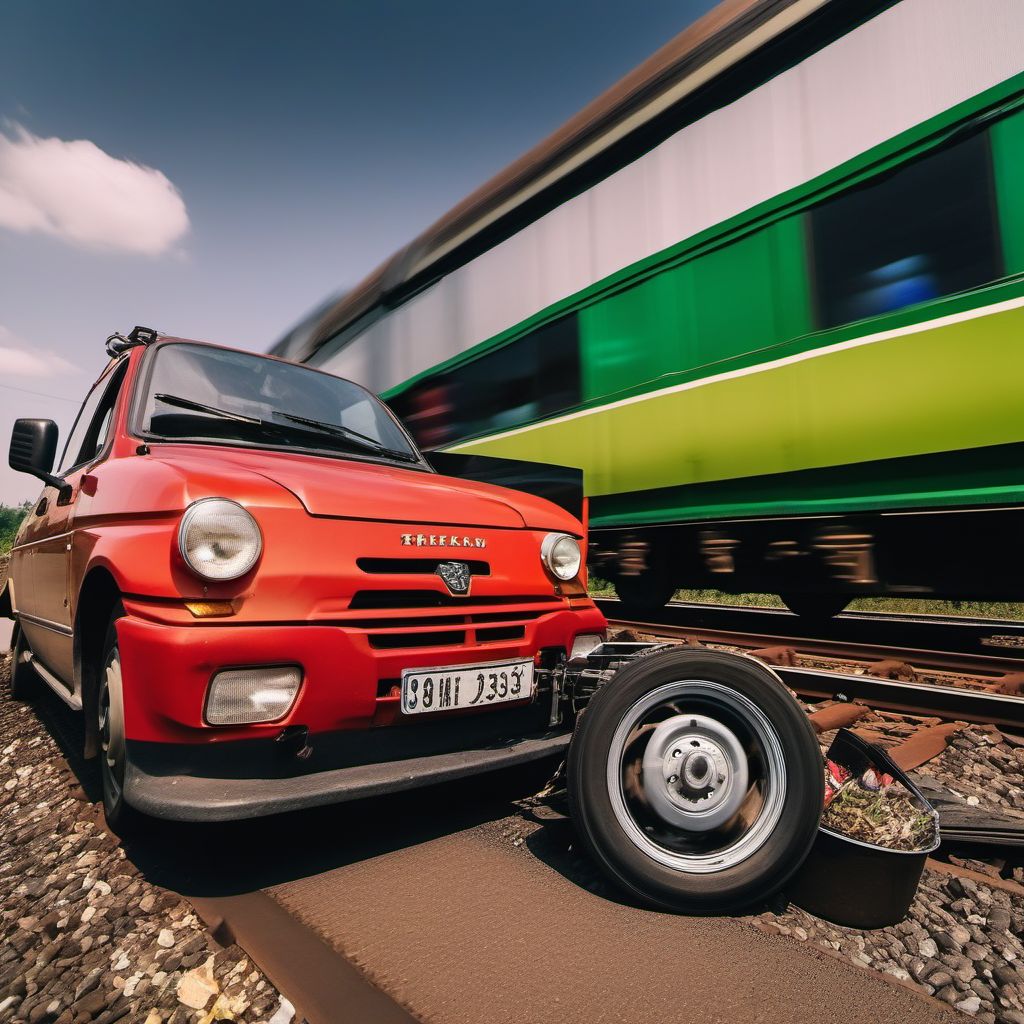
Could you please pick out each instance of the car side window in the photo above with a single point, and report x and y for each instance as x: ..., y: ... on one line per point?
x: 92, y: 428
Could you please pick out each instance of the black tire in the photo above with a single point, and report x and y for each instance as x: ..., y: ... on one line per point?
x: 24, y: 680
x: 784, y: 841
x: 813, y: 607
x: 648, y: 591
x: 121, y: 817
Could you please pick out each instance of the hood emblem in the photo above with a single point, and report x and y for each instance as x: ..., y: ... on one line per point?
x: 456, y: 576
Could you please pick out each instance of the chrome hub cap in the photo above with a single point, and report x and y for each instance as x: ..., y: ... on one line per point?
x: 694, y: 772
x: 696, y: 776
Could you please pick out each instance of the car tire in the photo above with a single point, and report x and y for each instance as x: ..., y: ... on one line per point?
x: 24, y: 680
x: 647, y: 591
x: 109, y: 711
x: 719, y: 846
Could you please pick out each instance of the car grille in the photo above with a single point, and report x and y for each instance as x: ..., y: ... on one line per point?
x: 395, y: 619
x: 381, y: 599
x: 415, y: 566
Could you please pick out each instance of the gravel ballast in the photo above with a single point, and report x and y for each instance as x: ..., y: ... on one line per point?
x: 86, y: 938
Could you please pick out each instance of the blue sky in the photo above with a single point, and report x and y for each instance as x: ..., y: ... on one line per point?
x: 273, y: 153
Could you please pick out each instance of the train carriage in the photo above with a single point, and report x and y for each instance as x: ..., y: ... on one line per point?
x: 768, y: 292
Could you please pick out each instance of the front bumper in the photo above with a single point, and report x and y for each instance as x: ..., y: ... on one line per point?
x: 156, y: 786
x: 342, y: 739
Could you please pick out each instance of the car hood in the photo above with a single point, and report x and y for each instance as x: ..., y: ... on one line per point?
x: 348, y: 489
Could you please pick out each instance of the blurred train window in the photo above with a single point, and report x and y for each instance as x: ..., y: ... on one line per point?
x: 534, y: 376
x: 925, y: 230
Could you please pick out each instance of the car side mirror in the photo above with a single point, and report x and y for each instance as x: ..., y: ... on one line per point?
x: 33, y: 449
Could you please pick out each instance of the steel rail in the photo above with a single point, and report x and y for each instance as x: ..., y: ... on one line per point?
x: 941, y: 642
x: 950, y: 702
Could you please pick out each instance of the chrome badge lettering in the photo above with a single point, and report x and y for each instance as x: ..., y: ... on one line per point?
x: 441, y: 540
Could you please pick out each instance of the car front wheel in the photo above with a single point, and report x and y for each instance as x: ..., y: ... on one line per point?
x: 696, y: 780
x: 111, y: 733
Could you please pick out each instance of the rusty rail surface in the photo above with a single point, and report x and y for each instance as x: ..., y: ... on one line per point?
x: 912, y: 696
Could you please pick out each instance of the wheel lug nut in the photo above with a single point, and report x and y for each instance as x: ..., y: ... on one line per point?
x: 672, y: 779
x: 677, y: 753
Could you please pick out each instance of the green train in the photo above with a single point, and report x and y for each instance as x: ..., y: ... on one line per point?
x: 768, y: 292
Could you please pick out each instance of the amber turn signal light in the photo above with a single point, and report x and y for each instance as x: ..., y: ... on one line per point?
x: 210, y: 609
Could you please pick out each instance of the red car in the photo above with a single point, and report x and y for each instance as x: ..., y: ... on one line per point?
x: 264, y: 597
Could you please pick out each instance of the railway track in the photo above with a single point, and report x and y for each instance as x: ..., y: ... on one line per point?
x: 395, y: 909
x: 957, y: 684
x: 951, y: 634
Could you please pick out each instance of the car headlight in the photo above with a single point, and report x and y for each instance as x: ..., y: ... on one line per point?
x: 560, y: 554
x: 218, y: 539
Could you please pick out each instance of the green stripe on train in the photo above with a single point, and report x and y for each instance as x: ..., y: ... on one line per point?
x: 971, y: 478
x: 942, y: 388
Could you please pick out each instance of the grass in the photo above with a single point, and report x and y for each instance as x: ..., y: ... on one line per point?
x: 10, y: 520
x: 1012, y: 610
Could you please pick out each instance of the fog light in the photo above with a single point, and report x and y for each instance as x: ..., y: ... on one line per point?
x: 242, y: 696
x: 584, y: 644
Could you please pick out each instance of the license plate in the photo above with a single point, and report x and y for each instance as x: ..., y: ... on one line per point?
x: 465, y: 686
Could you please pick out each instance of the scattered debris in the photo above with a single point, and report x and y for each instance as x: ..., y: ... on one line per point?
x: 972, y: 822
x: 868, y: 798
x: 889, y: 817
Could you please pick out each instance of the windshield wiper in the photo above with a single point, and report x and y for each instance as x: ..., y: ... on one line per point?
x: 187, y: 403
x: 353, y: 435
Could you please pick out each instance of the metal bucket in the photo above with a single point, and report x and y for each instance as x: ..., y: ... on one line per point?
x: 854, y: 883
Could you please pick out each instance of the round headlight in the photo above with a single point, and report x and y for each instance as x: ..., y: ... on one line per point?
x: 218, y: 539
x: 560, y: 553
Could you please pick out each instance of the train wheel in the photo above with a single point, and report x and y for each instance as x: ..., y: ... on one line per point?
x: 24, y: 681
x: 695, y: 780
x: 647, y: 591
x: 815, y: 607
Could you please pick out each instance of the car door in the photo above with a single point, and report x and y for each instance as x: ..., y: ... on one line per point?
x: 46, y: 619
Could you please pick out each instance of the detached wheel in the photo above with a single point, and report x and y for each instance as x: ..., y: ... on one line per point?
x: 815, y: 607
x: 696, y: 780
x: 110, y: 730
x: 24, y: 681
x: 646, y: 592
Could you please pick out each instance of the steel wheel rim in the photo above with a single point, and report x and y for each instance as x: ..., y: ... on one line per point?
x: 656, y: 828
x: 111, y: 726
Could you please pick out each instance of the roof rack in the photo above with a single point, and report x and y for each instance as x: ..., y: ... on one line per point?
x: 118, y: 343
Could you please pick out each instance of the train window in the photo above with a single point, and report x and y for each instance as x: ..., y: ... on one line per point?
x: 925, y: 230
x: 534, y: 376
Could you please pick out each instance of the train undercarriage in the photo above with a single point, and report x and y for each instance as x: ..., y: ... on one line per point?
x: 818, y: 564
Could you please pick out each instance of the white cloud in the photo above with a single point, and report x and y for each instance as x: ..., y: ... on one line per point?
x: 78, y: 193
x: 18, y: 359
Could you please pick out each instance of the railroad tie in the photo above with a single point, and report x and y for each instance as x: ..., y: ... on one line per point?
x: 889, y: 668
x: 923, y: 745
x: 778, y: 655
x: 1012, y: 685
x: 837, y: 716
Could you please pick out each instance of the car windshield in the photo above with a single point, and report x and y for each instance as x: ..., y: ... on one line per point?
x: 198, y: 392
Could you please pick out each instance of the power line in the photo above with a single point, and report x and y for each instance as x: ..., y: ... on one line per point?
x: 41, y: 394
